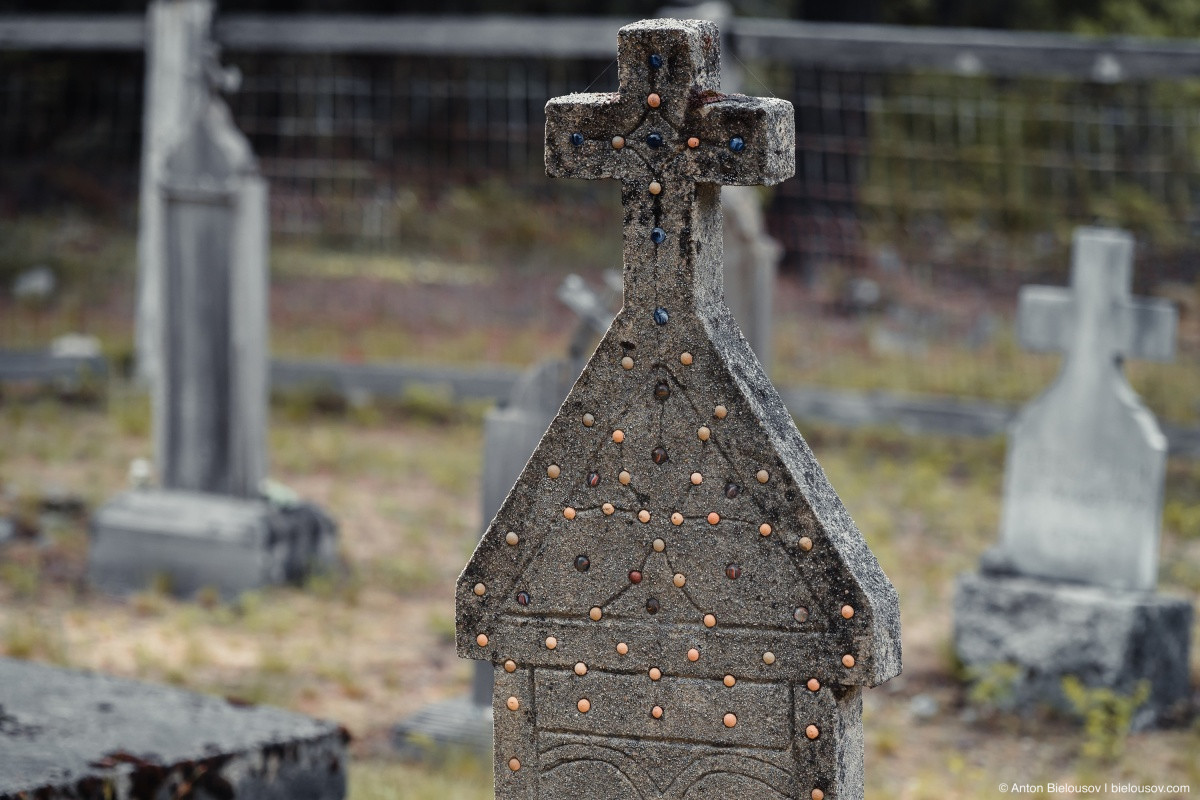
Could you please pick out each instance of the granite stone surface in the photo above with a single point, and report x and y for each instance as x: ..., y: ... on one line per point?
x: 675, y: 602
x: 67, y: 735
x: 1104, y: 637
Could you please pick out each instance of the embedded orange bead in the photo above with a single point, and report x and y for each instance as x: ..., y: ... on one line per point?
x: 817, y: 794
x: 512, y: 538
x: 713, y: 518
x: 679, y: 580
x: 588, y: 420
x: 677, y: 518
x: 693, y: 142
x: 481, y: 640
x: 697, y: 479
x: 510, y: 666
x: 709, y: 620
x: 729, y: 681
x: 644, y: 515
x: 655, y: 187
x: 655, y: 673
x: 480, y: 589
x: 513, y: 704
x: 805, y: 543
x: 622, y: 648
x: 768, y: 658
x: 812, y: 731
x: 814, y: 685
x: 551, y: 642
x: 764, y: 529
x: 847, y: 661
x: 608, y: 509
x: 595, y: 614
x: 730, y: 720
x: 553, y: 471
x: 514, y: 764
x: 627, y: 362
x: 581, y: 669
x: 703, y: 433
x: 659, y: 545
x: 693, y: 654
x: 847, y: 612
x: 653, y: 100
x: 656, y: 712
x: 763, y: 476
x: 720, y: 411
x: 569, y: 512
x: 624, y: 478
x: 618, y: 436
x: 685, y: 359
x: 618, y: 142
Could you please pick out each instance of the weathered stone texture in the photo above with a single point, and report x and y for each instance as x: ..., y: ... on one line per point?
x: 673, y: 597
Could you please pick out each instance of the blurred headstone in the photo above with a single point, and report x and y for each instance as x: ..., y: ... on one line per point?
x: 1070, y: 589
x: 74, y: 734
x: 35, y: 285
x: 672, y: 598
x: 511, y: 433
x: 210, y: 525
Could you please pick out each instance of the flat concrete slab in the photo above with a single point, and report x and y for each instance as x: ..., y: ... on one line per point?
x: 67, y: 734
x: 197, y: 540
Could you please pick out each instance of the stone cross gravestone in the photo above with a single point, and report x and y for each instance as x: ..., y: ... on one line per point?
x: 1069, y: 589
x: 674, y: 600
x: 209, y: 524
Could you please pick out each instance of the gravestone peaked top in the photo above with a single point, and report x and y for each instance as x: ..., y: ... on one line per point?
x: 1086, y: 460
x: 673, y: 597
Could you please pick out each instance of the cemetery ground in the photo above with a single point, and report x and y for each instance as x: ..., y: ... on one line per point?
x: 373, y: 644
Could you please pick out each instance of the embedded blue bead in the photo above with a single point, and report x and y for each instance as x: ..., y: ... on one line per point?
x: 656, y: 60
x: 736, y: 144
x: 660, y: 314
x: 577, y: 139
x: 655, y: 140
x: 658, y: 235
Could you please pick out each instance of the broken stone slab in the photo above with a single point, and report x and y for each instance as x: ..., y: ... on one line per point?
x: 71, y: 735
x: 1049, y: 630
x: 196, y: 540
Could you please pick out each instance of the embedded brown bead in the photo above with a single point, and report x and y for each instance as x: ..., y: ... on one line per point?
x: 805, y: 543
x: 513, y: 704
x: 733, y: 571
x: 732, y: 490
x: 510, y: 666
x: 652, y: 606
x: 523, y: 598
x: 848, y: 661
x: 656, y: 712
x: 655, y: 187
x: 768, y: 658
x: 817, y: 794
x: 659, y: 455
x: 812, y: 731
x: 583, y: 563
x: 686, y: 359
x: 662, y: 390
x: 713, y: 518
x: 618, y: 142
x: 720, y: 411
x: 762, y: 476
x: 693, y: 142
x: 635, y: 576
x: 588, y: 420
x: 512, y: 538
x: 813, y: 685
x: 480, y: 589
x: 553, y: 471
x: 608, y: 509
x: 653, y: 100
x: 514, y: 764
x: 593, y: 479
x: 847, y: 612
x: 679, y: 580
x: 800, y: 614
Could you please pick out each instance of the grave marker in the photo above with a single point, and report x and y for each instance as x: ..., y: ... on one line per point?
x: 673, y: 599
x: 1070, y: 588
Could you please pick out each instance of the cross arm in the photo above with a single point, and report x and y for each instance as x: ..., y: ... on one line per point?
x: 1044, y: 318
x: 1142, y: 329
x: 579, y: 134
x: 1146, y: 330
x: 766, y: 127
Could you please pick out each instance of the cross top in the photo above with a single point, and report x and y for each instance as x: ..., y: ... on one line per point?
x: 672, y: 139
x: 1096, y: 320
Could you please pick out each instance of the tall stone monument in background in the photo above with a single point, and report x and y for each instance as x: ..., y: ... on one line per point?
x: 672, y: 597
x: 1070, y: 590
x: 209, y: 524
